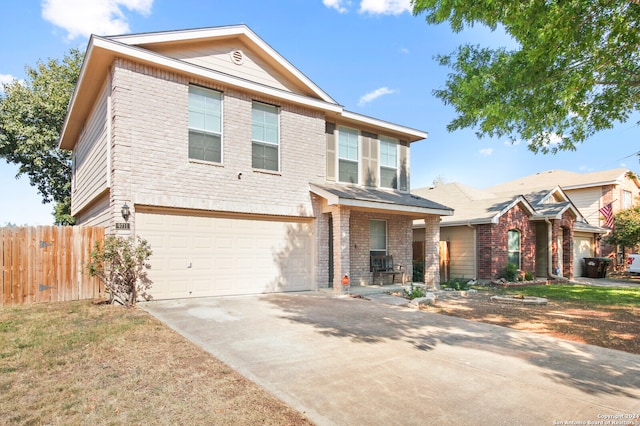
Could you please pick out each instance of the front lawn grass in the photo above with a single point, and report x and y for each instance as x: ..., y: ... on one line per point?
x: 591, y: 295
x: 86, y: 363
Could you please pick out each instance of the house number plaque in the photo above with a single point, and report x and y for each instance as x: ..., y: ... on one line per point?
x: 123, y: 226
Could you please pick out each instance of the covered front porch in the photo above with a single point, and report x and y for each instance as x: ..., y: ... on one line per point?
x: 355, y: 223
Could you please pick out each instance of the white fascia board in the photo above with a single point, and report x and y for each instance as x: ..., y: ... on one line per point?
x: 392, y: 207
x: 235, y: 30
x: 480, y: 221
x: 186, y: 67
x: 555, y: 190
x: 74, y: 96
x: 418, y: 134
x: 518, y: 199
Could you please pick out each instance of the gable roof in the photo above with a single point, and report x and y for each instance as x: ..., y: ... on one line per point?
x: 146, y: 49
x: 566, y: 179
x: 475, y: 206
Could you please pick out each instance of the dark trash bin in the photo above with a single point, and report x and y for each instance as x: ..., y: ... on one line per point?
x: 596, y: 266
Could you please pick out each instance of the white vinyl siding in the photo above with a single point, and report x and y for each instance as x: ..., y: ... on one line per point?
x: 265, y: 136
x: 218, y: 57
x: 462, y: 250
x: 587, y: 201
x: 388, y: 162
x: 205, y: 124
x: 348, y: 155
x: 91, y: 171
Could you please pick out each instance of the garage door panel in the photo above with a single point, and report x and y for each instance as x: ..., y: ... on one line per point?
x: 582, y: 247
x: 227, y: 255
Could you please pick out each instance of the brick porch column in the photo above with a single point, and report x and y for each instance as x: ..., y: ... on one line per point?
x: 341, y: 245
x: 432, y: 251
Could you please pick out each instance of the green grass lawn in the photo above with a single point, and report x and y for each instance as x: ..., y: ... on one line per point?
x: 611, y: 296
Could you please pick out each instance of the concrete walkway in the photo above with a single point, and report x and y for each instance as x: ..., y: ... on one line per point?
x: 350, y: 361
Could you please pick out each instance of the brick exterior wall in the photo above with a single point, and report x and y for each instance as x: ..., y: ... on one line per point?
x: 151, y: 134
x: 399, y: 235
x: 432, y: 251
x: 492, y: 244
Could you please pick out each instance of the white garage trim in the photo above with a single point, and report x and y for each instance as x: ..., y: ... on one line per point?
x: 198, y: 255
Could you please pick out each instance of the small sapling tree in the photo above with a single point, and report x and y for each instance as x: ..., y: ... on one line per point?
x: 121, y: 263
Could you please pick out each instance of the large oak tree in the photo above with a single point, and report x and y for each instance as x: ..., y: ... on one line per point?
x: 575, y: 70
x: 32, y: 113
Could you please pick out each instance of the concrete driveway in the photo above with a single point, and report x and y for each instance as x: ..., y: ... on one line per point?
x: 349, y: 361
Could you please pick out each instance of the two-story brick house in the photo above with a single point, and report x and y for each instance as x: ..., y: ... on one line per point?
x: 244, y: 176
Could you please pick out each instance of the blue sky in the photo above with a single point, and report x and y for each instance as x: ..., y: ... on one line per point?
x: 372, y: 56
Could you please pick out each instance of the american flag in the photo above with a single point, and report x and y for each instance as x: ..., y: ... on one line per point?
x: 607, y: 212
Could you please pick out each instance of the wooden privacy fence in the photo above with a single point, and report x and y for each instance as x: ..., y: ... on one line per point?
x: 47, y: 264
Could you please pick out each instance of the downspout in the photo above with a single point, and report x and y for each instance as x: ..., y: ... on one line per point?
x: 550, y: 251
x: 475, y: 249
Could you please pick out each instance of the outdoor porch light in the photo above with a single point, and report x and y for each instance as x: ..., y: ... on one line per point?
x: 125, y: 212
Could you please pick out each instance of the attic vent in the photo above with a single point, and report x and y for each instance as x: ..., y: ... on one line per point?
x: 237, y: 57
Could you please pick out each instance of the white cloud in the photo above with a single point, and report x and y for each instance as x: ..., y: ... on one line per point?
x: 375, y: 94
x: 404, y: 50
x: 385, y: 7
x: 336, y: 4
x: 486, y: 151
x: 514, y: 142
x: 552, y: 139
x: 81, y: 18
x: 6, y: 78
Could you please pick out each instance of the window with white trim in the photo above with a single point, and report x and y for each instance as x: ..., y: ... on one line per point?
x: 265, y: 136
x: 348, y: 155
x: 513, y: 247
x: 626, y: 200
x: 205, y: 124
x: 378, y: 237
x: 388, y: 162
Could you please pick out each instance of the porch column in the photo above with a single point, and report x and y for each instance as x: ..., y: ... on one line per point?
x: 341, y: 245
x: 432, y: 251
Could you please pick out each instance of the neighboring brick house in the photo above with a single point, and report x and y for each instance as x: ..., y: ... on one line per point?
x: 244, y: 176
x: 589, y: 192
x: 533, y: 229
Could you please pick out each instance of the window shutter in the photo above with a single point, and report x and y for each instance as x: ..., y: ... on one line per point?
x: 404, y: 166
x: 330, y: 129
x: 369, y: 159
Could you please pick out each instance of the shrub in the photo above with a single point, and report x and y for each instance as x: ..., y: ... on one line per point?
x: 456, y: 284
x: 121, y: 264
x: 414, y: 292
x: 510, y: 272
x: 418, y: 271
x: 528, y: 276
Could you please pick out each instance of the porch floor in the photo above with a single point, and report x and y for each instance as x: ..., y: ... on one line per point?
x: 363, y: 290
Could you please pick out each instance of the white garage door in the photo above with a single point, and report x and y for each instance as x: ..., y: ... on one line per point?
x: 197, y: 256
x: 582, y: 247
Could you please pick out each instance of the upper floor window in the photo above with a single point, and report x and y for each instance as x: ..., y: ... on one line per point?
x: 626, y: 200
x: 348, y: 155
x: 513, y: 247
x: 265, y: 136
x: 388, y: 162
x: 205, y: 124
